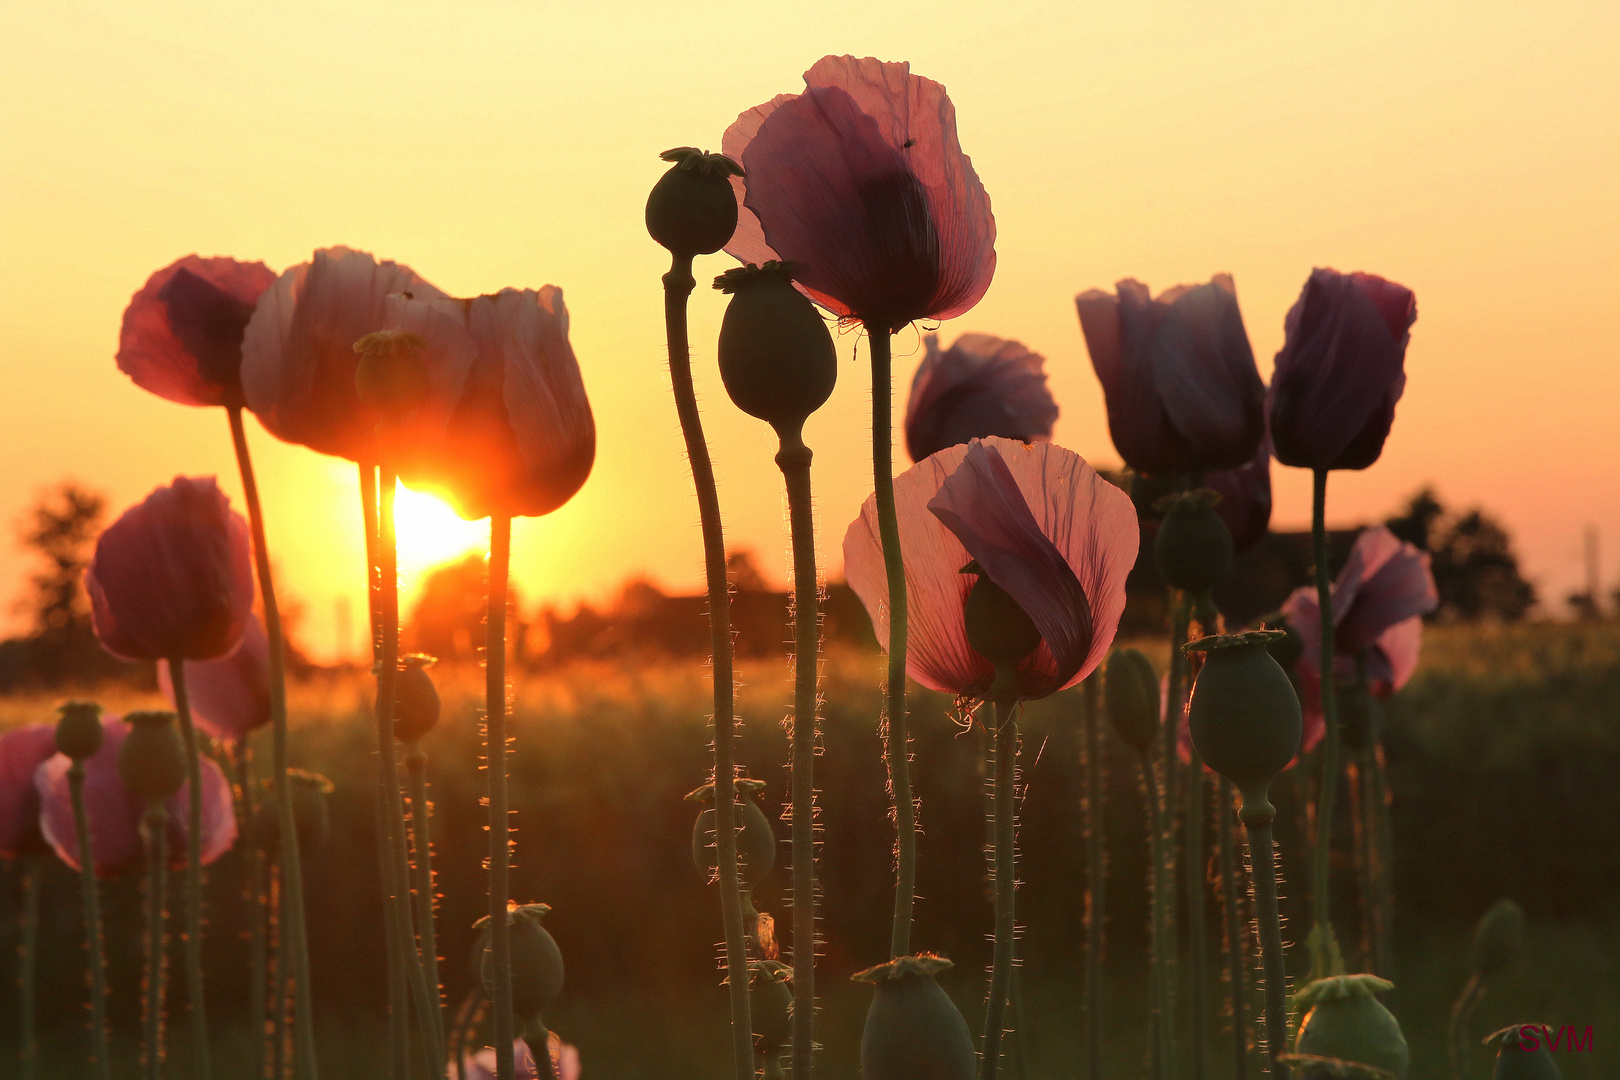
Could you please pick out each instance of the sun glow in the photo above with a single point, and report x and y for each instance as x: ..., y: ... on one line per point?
x: 430, y: 534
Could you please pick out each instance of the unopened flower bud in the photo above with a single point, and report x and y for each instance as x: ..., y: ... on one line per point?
x: 777, y: 358
x: 416, y: 702
x: 537, y: 963
x: 998, y: 629
x: 1518, y: 1059
x: 1244, y: 716
x: 152, y: 760
x: 692, y: 209
x: 1194, y: 547
x: 1131, y: 698
x: 756, y: 840
x: 392, y: 376
x: 78, y: 731
x: 1497, y: 938
x: 1347, y: 1023
x: 913, y: 1029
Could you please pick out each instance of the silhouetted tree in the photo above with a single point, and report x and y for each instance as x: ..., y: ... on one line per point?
x: 448, y: 621
x: 1475, y: 568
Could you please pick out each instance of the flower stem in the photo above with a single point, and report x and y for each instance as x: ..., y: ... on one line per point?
x: 1235, y: 968
x: 1197, y: 869
x: 92, y: 924
x: 897, y: 744
x: 677, y: 287
x: 294, y: 947
x: 155, y: 833
x: 1263, y: 874
x: 1091, y: 797
x: 422, y: 843
x: 495, y: 751
x: 1159, y: 976
x: 1006, y: 856
x: 194, y: 965
x: 794, y: 460
x: 258, y: 963
x: 1321, y: 916
x: 1169, y: 769
x: 28, y: 964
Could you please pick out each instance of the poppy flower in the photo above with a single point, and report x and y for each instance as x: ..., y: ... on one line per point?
x: 115, y: 814
x: 514, y: 434
x: 1245, y: 493
x: 1379, y: 600
x: 980, y: 386
x: 22, y: 751
x: 182, y: 332
x: 298, y: 358
x: 1039, y: 521
x: 1341, y: 370
x: 230, y: 696
x: 1178, y: 375
x: 172, y: 577
x: 861, y: 182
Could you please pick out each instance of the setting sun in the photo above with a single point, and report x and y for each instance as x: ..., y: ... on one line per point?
x: 430, y: 533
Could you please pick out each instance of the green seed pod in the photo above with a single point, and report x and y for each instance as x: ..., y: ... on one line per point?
x: 416, y: 702
x: 998, y: 629
x: 1348, y: 1023
x: 1522, y: 1058
x: 777, y: 358
x: 78, y: 731
x: 756, y: 840
x: 692, y: 209
x: 152, y: 761
x: 391, y: 376
x: 1497, y: 938
x: 770, y: 1003
x: 1244, y: 716
x: 914, y: 1031
x: 537, y: 963
x: 1194, y: 547
x: 1131, y: 697
x: 311, y: 815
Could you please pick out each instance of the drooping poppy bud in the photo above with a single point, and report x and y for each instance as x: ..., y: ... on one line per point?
x: 756, y: 840
x: 230, y: 696
x: 416, y: 701
x: 770, y: 1005
x: 1131, y: 698
x: 979, y: 387
x: 1243, y: 715
x: 913, y: 1031
x: 776, y: 356
x: 78, y: 731
x: 1522, y: 1054
x: 692, y: 209
x: 22, y: 752
x: 1346, y: 1022
x: 1194, y: 547
x: 537, y: 963
x: 1497, y: 938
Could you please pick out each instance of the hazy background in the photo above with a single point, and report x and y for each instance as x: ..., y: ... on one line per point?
x: 1471, y: 152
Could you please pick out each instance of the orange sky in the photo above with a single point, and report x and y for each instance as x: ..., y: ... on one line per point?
x: 1470, y: 151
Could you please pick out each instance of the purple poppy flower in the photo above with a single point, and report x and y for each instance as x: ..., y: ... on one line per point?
x: 22, y: 751
x: 979, y: 387
x: 1245, y: 492
x: 1183, y: 392
x: 861, y: 182
x: 1341, y: 370
x: 230, y: 696
x: 172, y: 577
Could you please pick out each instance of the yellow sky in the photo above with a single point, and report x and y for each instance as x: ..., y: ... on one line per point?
x: 1470, y: 151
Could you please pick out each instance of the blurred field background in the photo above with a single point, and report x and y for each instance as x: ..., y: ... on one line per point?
x: 1503, y: 757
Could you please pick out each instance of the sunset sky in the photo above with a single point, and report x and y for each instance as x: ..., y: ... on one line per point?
x: 1469, y: 151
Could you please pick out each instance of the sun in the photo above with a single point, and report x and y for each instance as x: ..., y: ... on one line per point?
x: 430, y: 534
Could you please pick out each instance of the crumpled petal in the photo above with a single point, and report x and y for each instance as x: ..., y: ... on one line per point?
x: 22, y: 751
x: 230, y: 696
x: 979, y: 387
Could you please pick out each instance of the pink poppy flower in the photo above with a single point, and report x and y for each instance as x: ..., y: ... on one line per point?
x: 1040, y: 522
x: 115, y: 814
x: 861, y: 182
x: 1183, y: 392
x: 1341, y: 370
x: 22, y: 751
x: 172, y: 577
x: 182, y: 333
x: 298, y: 358
x: 514, y: 433
x: 564, y: 1061
x: 980, y: 386
x: 229, y: 696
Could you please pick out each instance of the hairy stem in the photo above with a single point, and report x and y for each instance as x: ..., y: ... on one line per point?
x: 28, y: 967
x: 258, y: 961
x: 1230, y: 899
x: 495, y: 751
x: 194, y: 963
x: 1268, y: 923
x: 1462, y: 1012
x: 1197, y: 867
x: 1321, y: 916
x: 1006, y: 857
x: 1091, y: 796
x: 1162, y: 1034
x: 92, y: 925
x: 422, y: 844
x: 155, y: 834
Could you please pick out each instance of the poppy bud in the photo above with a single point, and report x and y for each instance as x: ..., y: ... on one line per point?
x: 537, y: 963
x: 416, y: 702
x: 1244, y: 716
x: 692, y: 209
x: 311, y: 815
x: 1346, y: 1022
x: 1194, y: 547
x: 1516, y: 1061
x: 998, y: 628
x: 391, y: 377
x: 913, y: 1029
x: 78, y: 732
x: 756, y: 840
x: 1131, y: 697
x: 776, y: 355
x: 152, y: 761
x: 1497, y: 938
x: 770, y: 1001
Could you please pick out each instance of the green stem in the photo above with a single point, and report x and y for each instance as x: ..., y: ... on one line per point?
x: 194, y: 964
x: 1163, y: 1035
x: 1462, y: 1012
x: 1263, y: 874
x: 1197, y: 881
x: 28, y: 964
x: 258, y: 963
x: 155, y: 833
x: 794, y: 460
x: 897, y: 744
x: 278, y: 980
x: 295, y: 946
x: 678, y: 285
x: 1322, y: 928
x: 92, y: 924
x: 1382, y: 847
x: 495, y: 753
x: 1091, y: 796
x: 1235, y: 968
x: 1168, y: 791
x: 422, y: 842
x: 1006, y: 856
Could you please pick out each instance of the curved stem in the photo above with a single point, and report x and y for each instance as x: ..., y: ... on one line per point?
x: 1091, y: 796
x: 194, y: 964
x: 897, y: 744
x: 1321, y: 916
x: 495, y: 752
x: 92, y: 924
x: 28, y: 964
x: 794, y: 460
x: 422, y: 844
x: 1235, y: 968
x: 295, y: 946
x: 1263, y: 874
x: 155, y: 833
x: 677, y: 287
x: 258, y: 962
x: 1006, y: 856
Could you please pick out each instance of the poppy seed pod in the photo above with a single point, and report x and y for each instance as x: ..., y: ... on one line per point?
x: 1131, y: 698
x: 1194, y: 547
x: 1244, y: 716
x: 998, y: 629
x: 692, y: 209
x: 78, y: 732
x: 537, y: 963
x: 756, y: 840
x: 1497, y: 938
x: 776, y: 355
x: 913, y: 1029
x: 392, y: 376
x: 416, y: 701
x: 1346, y: 1022
x: 770, y: 995
x: 1522, y: 1058
x: 152, y: 761
x: 311, y: 814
